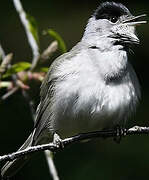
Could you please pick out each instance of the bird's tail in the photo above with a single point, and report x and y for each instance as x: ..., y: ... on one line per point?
x: 10, y: 168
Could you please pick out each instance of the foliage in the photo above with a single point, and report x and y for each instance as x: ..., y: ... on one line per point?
x: 57, y: 37
x: 18, y: 67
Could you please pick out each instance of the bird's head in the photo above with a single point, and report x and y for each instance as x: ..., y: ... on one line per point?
x: 114, y: 21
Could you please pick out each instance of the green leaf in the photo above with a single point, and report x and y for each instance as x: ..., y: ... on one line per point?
x: 43, y: 69
x: 18, y: 67
x: 33, y: 27
x: 59, y: 39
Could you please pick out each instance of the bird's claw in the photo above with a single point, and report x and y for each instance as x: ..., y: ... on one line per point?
x: 120, y: 132
x: 57, y: 141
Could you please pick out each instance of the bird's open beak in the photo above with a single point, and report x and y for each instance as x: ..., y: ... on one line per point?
x: 125, y: 31
x: 132, y: 21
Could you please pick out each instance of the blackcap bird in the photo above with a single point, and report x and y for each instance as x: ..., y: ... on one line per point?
x: 93, y: 86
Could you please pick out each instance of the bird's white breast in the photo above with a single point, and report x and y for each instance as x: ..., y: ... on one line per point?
x: 85, y: 102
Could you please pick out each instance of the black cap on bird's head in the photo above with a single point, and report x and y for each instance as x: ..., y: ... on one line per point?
x: 111, y: 11
x: 114, y: 20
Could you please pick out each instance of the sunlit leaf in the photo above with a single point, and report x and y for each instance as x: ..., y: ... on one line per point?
x: 33, y: 27
x: 59, y: 39
x: 18, y: 67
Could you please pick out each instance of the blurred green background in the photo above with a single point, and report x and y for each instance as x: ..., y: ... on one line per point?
x: 99, y: 159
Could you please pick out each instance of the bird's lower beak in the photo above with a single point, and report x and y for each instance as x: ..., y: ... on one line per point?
x: 130, y: 39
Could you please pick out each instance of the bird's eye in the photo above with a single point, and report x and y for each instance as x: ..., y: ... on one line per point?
x: 113, y: 19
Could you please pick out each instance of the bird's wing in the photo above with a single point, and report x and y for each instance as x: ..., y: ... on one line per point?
x: 46, y: 93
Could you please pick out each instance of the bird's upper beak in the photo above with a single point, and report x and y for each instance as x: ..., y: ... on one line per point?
x: 132, y: 21
x: 125, y: 30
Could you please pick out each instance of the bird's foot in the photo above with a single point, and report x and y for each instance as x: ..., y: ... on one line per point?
x: 120, y: 132
x: 58, y: 141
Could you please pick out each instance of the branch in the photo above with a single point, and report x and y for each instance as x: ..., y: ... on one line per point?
x: 85, y: 136
x: 31, y: 39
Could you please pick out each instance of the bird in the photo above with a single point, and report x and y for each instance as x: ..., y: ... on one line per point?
x: 93, y: 86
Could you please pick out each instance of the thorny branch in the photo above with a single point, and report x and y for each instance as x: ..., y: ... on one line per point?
x: 65, y: 142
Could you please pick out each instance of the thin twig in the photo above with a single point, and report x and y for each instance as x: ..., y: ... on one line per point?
x: 2, y: 52
x: 9, y: 93
x: 53, y: 147
x: 50, y: 162
x: 5, y: 63
x: 32, y: 41
x: 50, y: 50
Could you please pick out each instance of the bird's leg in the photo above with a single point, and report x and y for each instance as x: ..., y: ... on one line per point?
x: 120, y: 132
x: 57, y: 141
